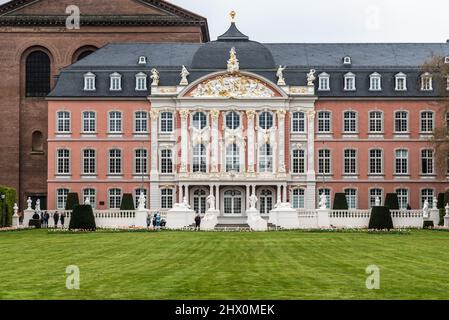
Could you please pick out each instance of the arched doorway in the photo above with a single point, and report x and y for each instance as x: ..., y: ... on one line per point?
x: 199, y: 200
x: 233, y: 202
x: 266, y: 201
x: 37, y: 74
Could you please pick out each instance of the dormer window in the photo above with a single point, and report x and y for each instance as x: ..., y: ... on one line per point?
x: 89, y: 82
x: 401, y: 82
x: 142, y: 60
x: 116, y: 82
x: 347, y: 60
x: 375, y: 82
x: 349, y: 82
x: 323, y: 82
x: 446, y: 60
x: 141, y: 81
x: 426, y: 82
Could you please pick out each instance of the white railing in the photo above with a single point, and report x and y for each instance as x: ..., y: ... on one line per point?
x: 407, y: 218
x: 307, y: 218
x: 114, y: 218
x: 349, y: 218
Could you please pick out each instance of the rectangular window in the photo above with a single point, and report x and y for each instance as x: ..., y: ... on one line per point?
x: 350, y: 122
x: 324, y: 161
x: 426, y: 83
x: 350, y: 157
x: 61, y: 198
x: 401, y: 122
x: 427, y: 122
x: 141, y: 83
x: 89, y: 82
x: 115, y: 122
x: 375, y: 83
x: 298, y: 122
x: 403, y: 198
x: 324, y: 122
x: 137, y: 193
x: 298, y: 199
x: 427, y: 195
x: 327, y: 192
x: 89, y: 122
x: 166, y: 161
x: 349, y: 83
x: 116, y: 82
x: 323, y: 84
x: 351, y: 198
x: 427, y: 162
x: 63, y: 161
x: 89, y: 161
x: 401, y: 83
x: 115, y: 161
x: 167, y: 198
x: 401, y: 162
x: 375, y: 161
x: 298, y: 161
x: 115, y: 198
x: 63, y: 125
x: 375, y: 122
x: 140, y: 161
x: 166, y: 122
x: 141, y: 122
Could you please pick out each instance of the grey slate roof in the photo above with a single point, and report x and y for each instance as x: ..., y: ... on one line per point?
x: 388, y: 59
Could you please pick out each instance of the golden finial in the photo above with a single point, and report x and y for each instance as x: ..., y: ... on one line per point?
x: 232, y: 14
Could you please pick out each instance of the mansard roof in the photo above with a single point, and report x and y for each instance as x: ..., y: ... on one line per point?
x: 388, y: 59
x: 162, y: 13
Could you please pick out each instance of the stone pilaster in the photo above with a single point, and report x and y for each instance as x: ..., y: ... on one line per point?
x: 154, y: 141
x: 251, y: 141
x: 215, y: 114
x: 281, y: 142
x: 184, y: 113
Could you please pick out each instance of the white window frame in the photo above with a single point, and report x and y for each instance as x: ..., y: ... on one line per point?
x: 347, y: 77
x: 299, y: 198
x: 140, y: 161
x: 141, y: 81
x: 233, y: 158
x: 89, y: 81
x: 298, y: 121
x: 298, y: 165
x: 166, y: 161
x: 266, y: 158
x: 141, y: 122
x: 116, y: 121
x: 375, y: 82
x: 324, y: 161
x: 63, y: 161
x: 115, y: 82
x: 61, y: 198
x: 91, y: 195
x: 350, y: 162
x: 113, y: 159
x: 89, y: 123
x: 199, y: 158
x: 115, y: 194
x: 268, y: 115
x: 324, y: 82
x: 406, y: 119
x: 430, y: 193
x: 166, y: 122
x: 402, y: 196
x: 427, y: 155
x: 377, y: 122
x: 352, y: 199
x: 234, y: 117
x: 89, y: 161
x: 197, y: 124
x: 401, y: 161
x: 375, y: 162
x: 398, y: 77
x: 347, y: 60
x: 426, y: 82
x: 427, y: 125
x: 350, y: 124
x: 167, y: 197
x: 372, y: 197
x: 324, y: 119
x: 63, y: 121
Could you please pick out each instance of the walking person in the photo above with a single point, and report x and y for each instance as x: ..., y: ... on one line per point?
x: 148, y: 220
x: 197, y: 222
x: 56, y: 218
x: 62, y: 220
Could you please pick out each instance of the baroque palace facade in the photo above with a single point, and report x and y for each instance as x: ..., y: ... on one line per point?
x: 233, y: 117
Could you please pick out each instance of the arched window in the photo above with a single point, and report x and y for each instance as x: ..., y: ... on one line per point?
x: 37, y: 142
x: 266, y: 201
x: 266, y: 158
x: 265, y: 120
x: 232, y: 202
x: 199, y: 158
x: 199, y: 120
x: 232, y: 158
x: 199, y: 201
x: 232, y: 120
x: 37, y: 74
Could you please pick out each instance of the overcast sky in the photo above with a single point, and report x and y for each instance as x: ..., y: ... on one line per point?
x: 328, y: 20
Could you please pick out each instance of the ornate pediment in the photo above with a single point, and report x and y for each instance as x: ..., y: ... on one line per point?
x: 232, y: 86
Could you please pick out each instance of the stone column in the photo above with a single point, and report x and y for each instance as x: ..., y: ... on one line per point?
x: 248, y: 191
x: 310, y: 193
x: 184, y: 113
x: 284, y: 193
x: 154, y: 141
x: 251, y: 141
x: 281, y: 141
x: 217, y: 197
x: 215, y: 114
x: 279, y: 198
x: 180, y: 193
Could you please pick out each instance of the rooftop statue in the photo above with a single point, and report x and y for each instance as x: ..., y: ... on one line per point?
x: 233, y: 62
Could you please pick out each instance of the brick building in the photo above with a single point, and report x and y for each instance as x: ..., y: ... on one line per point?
x: 35, y: 45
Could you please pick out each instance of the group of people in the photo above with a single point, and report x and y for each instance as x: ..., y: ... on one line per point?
x: 44, y: 217
x: 156, y: 220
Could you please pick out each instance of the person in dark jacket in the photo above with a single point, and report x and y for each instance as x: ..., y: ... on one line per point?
x: 154, y: 220
x: 46, y: 218
x: 62, y: 219
x: 197, y: 222
x: 56, y: 218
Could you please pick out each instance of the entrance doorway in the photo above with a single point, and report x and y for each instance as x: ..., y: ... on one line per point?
x: 266, y: 201
x: 233, y: 202
x: 199, y: 200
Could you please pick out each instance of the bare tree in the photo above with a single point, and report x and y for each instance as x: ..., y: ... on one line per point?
x: 438, y: 68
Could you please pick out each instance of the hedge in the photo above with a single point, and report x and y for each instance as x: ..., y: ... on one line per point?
x: 127, y: 202
x: 72, y: 201
x: 82, y: 218
x: 340, y: 202
x: 392, y: 201
x: 10, y: 197
x: 380, y: 219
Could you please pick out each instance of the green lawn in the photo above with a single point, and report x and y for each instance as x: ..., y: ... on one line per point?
x: 187, y: 265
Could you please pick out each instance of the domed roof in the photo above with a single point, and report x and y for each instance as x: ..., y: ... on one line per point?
x: 215, y: 54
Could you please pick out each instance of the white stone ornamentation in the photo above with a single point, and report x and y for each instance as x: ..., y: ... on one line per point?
x: 211, y: 202
x: 425, y: 209
x: 142, y: 202
x: 38, y: 205
x: 87, y: 201
x: 232, y: 86
x: 377, y: 202
x: 311, y: 77
x: 29, y: 203
x: 233, y: 62
x: 280, y: 75
x: 184, y: 74
x: 435, y: 203
x: 155, y: 77
x: 323, y: 201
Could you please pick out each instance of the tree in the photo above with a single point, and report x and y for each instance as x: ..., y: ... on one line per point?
x: 437, y: 67
x: 10, y: 199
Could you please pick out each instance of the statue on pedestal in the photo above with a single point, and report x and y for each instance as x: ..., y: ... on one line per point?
x: 155, y: 77
x: 29, y: 203
x: 211, y: 202
x: 280, y: 75
x: 311, y: 77
x: 377, y: 202
x: 323, y: 201
x: 184, y: 74
x: 87, y: 201
x: 253, y: 201
x: 142, y: 202
x: 435, y: 203
x: 233, y: 62
x: 425, y: 209
x: 38, y: 205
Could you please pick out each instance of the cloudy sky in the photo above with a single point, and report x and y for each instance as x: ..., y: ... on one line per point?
x: 328, y: 20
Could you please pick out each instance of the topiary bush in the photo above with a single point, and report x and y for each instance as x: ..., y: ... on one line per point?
x: 72, y: 201
x: 428, y: 224
x: 82, y: 218
x: 441, y: 203
x: 340, y: 202
x: 392, y: 201
x: 380, y: 219
x: 442, y: 214
x: 127, y: 202
x: 10, y: 198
